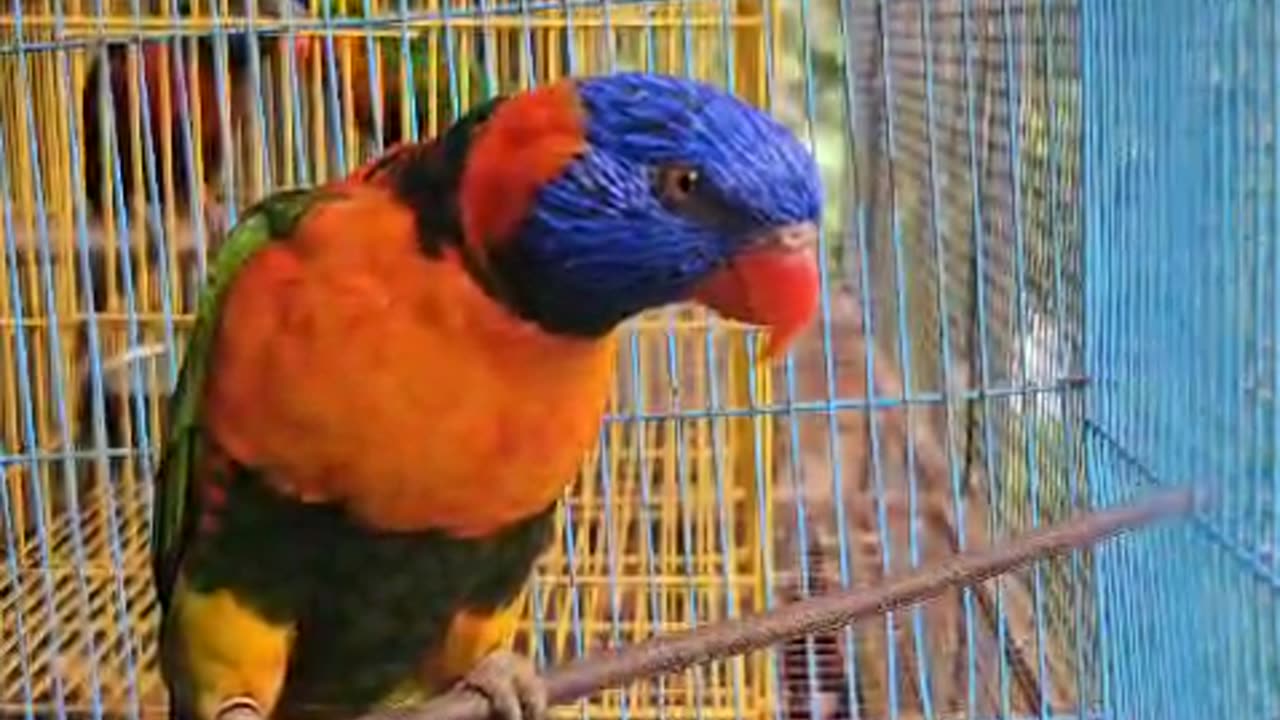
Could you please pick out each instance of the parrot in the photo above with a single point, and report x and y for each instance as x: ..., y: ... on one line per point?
x: 394, y: 376
x: 154, y: 55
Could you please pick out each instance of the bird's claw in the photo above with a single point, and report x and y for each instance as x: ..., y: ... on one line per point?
x: 511, y: 685
x: 240, y: 708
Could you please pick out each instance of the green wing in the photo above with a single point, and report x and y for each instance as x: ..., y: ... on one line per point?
x: 174, y: 508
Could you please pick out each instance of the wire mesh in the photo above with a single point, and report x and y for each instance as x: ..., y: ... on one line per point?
x: 662, y: 531
x: 963, y: 250
x: 1181, y: 201
x: 1016, y: 324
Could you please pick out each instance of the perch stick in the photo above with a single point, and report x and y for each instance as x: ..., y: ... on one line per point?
x: 675, y: 652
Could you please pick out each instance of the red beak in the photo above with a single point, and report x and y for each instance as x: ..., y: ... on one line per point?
x: 772, y: 283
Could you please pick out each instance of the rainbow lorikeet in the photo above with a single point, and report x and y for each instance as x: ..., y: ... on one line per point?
x: 393, y: 378
x: 153, y: 56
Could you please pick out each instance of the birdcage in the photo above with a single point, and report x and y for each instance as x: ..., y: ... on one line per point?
x: 664, y: 528
x: 1050, y: 243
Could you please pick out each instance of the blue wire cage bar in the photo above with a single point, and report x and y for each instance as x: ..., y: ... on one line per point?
x: 1180, y: 156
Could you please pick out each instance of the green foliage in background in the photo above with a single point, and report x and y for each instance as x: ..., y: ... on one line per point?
x: 810, y: 72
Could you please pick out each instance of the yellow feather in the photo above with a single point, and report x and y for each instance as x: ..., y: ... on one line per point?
x: 227, y: 650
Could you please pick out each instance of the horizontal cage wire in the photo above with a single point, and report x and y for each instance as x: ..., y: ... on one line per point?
x: 1017, y: 326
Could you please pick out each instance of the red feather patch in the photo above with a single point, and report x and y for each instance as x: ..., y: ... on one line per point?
x: 528, y: 142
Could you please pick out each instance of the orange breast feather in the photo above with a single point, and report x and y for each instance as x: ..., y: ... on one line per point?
x: 350, y: 367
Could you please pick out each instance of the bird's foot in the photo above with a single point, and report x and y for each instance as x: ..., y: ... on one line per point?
x: 511, y: 685
x: 241, y: 708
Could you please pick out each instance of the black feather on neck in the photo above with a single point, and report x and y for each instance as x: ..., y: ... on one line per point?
x: 427, y: 177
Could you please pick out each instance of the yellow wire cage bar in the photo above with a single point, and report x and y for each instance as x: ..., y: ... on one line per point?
x: 645, y: 543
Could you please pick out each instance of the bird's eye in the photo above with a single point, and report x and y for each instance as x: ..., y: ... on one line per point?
x: 677, y: 183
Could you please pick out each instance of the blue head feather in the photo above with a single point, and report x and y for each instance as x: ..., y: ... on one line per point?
x: 603, y: 243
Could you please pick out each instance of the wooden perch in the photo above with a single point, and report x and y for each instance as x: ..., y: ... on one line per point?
x: 678, y: 651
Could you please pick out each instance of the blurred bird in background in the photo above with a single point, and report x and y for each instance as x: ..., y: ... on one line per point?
x: 175, y: 121
x: 108, y: 138
x: 378, y: 83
